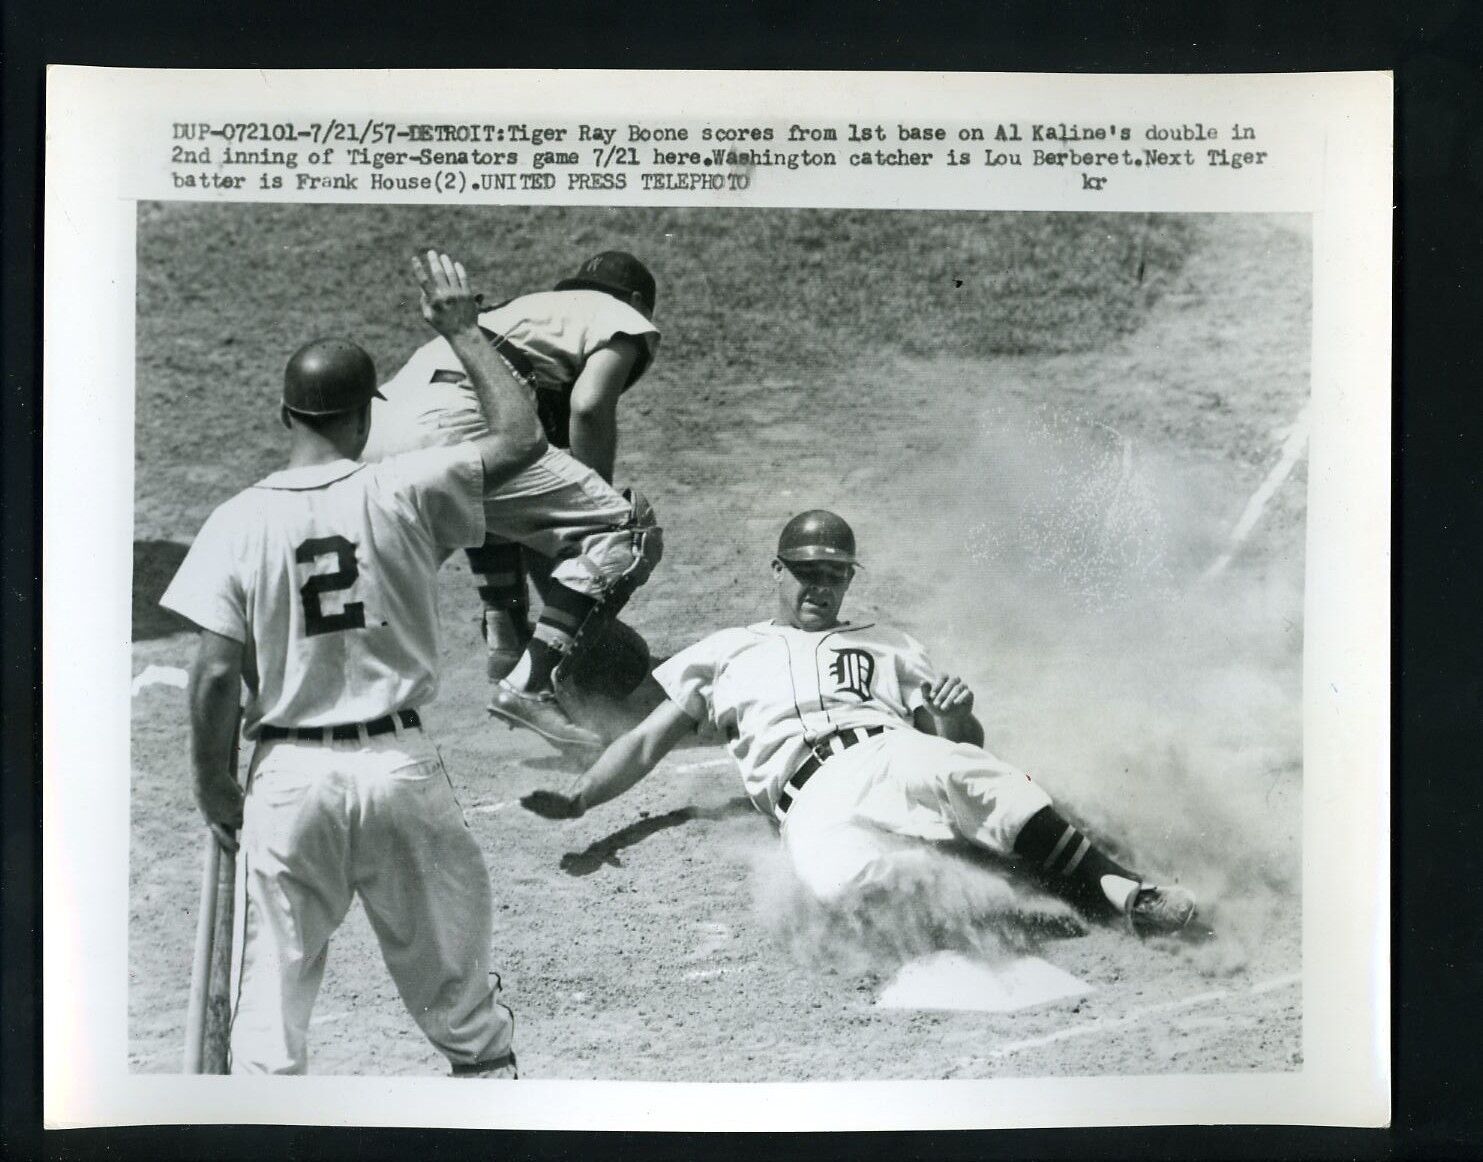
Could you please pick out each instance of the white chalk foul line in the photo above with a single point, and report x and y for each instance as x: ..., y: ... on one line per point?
x: 158, y: 676
x: 1292, y: 452
x: 1277, y: 982
x: 1138, y: 1015
x: 489, y: 808
x: 705, y: 765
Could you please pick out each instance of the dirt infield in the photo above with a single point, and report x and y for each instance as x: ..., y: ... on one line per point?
x: 1040, y: 469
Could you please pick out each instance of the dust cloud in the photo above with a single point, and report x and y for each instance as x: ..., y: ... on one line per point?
x: 1161, y: 711
x: 926, y: 900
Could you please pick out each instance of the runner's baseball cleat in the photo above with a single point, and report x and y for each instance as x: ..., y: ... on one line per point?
x: 1155, y: 911
x: 540, y: 713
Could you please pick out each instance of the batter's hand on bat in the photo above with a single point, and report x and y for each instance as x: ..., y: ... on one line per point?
x: 552, y: 805
x: 220, y: 801
x: 948, y: 697
x: 447, y: 302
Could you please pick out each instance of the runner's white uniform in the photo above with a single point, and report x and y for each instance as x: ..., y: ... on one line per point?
x: 557, y: 507
x: 776, y: 692
x: 328, y: 577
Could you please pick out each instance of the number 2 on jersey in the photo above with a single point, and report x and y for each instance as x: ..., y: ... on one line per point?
x: 353, y: 615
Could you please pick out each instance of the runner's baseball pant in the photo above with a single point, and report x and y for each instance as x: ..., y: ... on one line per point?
x: 889, y: 793
x: 376, y: 818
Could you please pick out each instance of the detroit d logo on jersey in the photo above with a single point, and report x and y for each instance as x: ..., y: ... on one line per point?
x: 853, y: 671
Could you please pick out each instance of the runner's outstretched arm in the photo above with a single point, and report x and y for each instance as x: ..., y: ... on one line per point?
x: 627, y: 760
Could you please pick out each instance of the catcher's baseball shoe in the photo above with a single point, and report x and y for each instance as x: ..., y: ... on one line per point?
x: 500, y: 1068
x: 504, y: 642
x: 540, y: 713
x: 1155, y: 911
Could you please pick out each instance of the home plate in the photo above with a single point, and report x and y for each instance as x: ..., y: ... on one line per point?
x: 950, y: 980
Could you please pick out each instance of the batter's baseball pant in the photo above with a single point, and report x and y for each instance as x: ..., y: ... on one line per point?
x: 374, y: 817
x: 888, y: 794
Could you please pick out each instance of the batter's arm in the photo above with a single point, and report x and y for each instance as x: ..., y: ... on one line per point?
x: 948, y: 712
x: 214, y: 692
x: 627, y: 760
x: 515, y: 440
x: 594, y: 418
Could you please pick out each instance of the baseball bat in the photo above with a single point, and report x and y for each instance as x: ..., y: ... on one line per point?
x: 217, y: 1034
x: 209, y: 1012
x: 195, y: 1013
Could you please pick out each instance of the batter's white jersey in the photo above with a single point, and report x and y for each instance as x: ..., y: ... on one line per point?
x: 328, y: 577
x: 774, y: 690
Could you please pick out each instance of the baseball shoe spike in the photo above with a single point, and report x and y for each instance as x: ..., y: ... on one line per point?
x: 1155, y: 911
x: 540, y: 713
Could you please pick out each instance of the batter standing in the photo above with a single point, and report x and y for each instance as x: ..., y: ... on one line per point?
x: 318, y: 587
x: 585, y: 545
x: 858, y: 747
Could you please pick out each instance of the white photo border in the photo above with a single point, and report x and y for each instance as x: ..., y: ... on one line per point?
x: 1340, y: 167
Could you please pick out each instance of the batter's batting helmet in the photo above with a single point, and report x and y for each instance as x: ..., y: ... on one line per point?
x: 616, y: 272
x: 817, y: 535
x: 325, y: 377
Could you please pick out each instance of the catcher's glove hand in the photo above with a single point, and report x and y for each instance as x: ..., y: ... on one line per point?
x: 615, y: 664
x: 552, y: 805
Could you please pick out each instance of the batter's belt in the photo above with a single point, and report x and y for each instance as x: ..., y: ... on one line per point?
x: 822, y: 751
x: 348, y: 732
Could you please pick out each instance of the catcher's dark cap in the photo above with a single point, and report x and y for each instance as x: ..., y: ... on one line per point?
x: 328, y: 376
x: 817, y: 535
x: 615, y: 271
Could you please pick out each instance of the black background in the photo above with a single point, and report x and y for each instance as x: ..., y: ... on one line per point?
x: 1436, y: 51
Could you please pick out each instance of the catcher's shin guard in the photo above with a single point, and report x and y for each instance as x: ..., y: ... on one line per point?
x: 499, y: 568
x: 646, y: 551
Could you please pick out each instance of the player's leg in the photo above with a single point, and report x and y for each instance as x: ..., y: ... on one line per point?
x: 425, y: 887
x: 833, y: 853
x: 1072, y: 863
x: 499, y: 572
x: 293, y: 860
x: 993, y: 805
x: 604, y: 545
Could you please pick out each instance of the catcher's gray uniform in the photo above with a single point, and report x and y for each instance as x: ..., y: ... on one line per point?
x: 598, y: 543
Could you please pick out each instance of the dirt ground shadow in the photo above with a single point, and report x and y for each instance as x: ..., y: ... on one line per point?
x: 155, y: 563
x: 606, y: 849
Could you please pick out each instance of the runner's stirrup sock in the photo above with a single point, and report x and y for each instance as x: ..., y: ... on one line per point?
x: 1072, y: 865
x: 561, y: 617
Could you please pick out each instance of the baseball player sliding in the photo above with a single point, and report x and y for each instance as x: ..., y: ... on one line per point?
x: 318, y: 587
x: 858, y: 747
x: 585, y: 545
